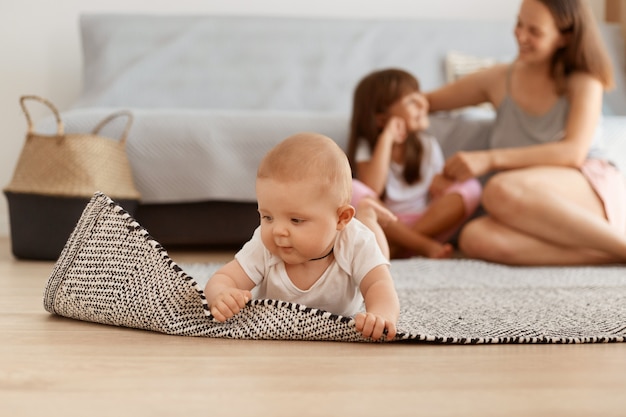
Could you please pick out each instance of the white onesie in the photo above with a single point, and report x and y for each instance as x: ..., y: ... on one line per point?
x: 337, y: 290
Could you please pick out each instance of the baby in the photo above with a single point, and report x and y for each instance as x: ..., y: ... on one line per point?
x: 309, y: 248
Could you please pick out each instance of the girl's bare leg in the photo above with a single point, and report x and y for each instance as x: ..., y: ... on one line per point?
x: 402, y: 236
x: 440, y: 217
x: 543, y: 215
x: 442, y: 214
x: 373, y: 214
x: 383, y: 223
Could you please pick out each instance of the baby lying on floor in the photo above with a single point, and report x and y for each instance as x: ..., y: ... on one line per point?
x: 309, y: 249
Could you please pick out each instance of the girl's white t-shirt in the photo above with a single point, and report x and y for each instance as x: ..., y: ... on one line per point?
x: 401, y: 197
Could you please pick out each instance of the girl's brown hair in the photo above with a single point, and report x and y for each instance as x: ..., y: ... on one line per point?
x: 372, y: 97
x: 584, y: 50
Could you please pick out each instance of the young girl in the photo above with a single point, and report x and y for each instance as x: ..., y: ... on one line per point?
x: 394, y: 160
x: 554, y: 198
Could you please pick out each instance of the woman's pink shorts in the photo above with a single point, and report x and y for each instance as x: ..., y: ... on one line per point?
x: 610, y: 186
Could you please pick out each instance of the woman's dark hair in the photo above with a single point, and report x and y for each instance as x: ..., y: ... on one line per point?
x: 372, y: 98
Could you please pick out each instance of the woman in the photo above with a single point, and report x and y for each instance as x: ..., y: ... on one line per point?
x: 553, y: 198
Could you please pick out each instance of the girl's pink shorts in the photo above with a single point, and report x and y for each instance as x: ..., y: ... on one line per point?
x: 470, y: 191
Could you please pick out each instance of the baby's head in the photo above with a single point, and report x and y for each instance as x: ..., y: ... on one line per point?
x: 312, y: 158
x: 303, y: 187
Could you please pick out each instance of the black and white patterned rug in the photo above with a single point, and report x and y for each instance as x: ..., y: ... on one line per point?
x: 112, y: 272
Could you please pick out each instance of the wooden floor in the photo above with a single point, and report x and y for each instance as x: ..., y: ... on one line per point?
x: 53, y: 366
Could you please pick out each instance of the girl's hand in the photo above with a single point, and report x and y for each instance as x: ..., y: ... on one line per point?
x: 395, y: 129
x: 229, y: 302
x: 439, y: 184
x: 371, y: 325
x: 465, y: 165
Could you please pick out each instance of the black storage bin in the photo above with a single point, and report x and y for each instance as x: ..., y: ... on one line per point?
x: 40, y: 224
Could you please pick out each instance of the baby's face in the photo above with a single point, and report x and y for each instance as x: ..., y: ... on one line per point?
x: 413, y: 108
x: 299, y: 221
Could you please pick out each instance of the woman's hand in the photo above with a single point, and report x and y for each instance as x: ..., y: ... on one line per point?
x: 465, y: 165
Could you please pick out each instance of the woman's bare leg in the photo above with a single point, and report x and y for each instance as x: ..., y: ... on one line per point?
x: 485, y: 238
x: 551, y: 214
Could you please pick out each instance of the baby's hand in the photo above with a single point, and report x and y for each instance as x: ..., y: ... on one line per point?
x: 371, y: 325
x: 229, y: 302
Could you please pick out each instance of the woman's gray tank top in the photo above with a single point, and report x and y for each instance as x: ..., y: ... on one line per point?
x: 514, y: 127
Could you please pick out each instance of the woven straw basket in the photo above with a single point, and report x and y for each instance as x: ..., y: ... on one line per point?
x: 56, y: 176
x: 73, y: 165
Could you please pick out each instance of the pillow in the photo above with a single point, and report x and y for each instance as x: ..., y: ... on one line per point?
x: 459, y: 64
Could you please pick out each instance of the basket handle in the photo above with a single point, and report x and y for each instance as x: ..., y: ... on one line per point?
x: 113, y: 116
x: 29, y: 121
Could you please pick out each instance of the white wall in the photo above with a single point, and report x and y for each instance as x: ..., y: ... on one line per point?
x: 40, y: 47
